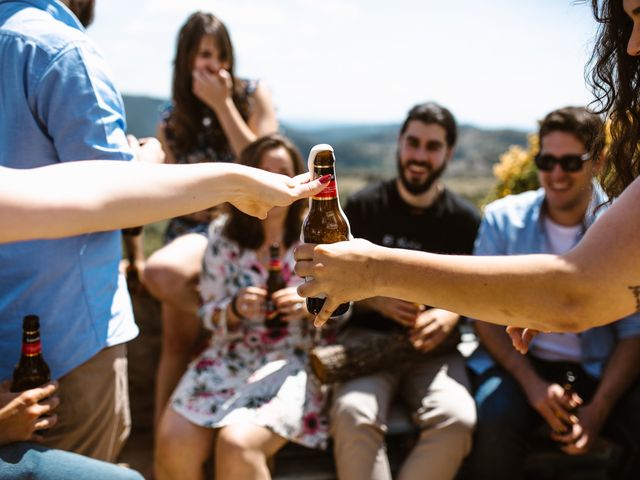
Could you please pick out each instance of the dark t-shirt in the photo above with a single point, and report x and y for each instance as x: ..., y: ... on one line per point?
x: 378, y: 214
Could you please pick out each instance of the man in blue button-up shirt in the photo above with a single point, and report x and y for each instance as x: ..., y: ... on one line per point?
x: 516, y: 394
x: 58, y: 104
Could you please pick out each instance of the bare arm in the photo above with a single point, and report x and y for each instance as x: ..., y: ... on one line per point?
x: 497, y: 343
x: 215, y: 91
x: 79, y: 197
x: 595, y: 283
x: 261, y: 122
x: 620, y: 373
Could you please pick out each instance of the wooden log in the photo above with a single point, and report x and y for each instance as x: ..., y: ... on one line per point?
x: 361, y: 351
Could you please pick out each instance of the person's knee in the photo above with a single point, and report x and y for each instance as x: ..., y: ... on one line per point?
x: 235, y: 446
x: 161, y: 278
x: 125, y: 474
x: 457, y: 418
x: 349, y: 411
x: 169, y: 454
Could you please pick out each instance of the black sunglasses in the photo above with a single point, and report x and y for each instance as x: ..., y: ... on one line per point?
x: 568, y: 163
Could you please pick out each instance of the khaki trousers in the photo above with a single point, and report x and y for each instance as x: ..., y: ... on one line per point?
x: 436, y: 392
x: 93, y: 416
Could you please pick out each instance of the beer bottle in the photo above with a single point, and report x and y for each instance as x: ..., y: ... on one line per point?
x: 275, y: 282
x: 325, y: 222
x: 32, y: 371
x: 568, y: 386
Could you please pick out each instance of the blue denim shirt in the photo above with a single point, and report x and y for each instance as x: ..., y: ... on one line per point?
x: 58, y: 104
x: 513, y: 226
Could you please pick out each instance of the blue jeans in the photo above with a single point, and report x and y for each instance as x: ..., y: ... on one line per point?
x: 507, y: 424
x: 34, y: 462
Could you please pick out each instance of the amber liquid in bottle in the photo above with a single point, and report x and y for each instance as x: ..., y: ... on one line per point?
x: 325, y: 222
x: 32, y: 371
x: 275, y: 282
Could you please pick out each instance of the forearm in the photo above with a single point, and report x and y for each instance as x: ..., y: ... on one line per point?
x: 545, y: 292
x: 498, y: 344
x: 235, y: 128
x: 104, y: 195
x: 620, y: 373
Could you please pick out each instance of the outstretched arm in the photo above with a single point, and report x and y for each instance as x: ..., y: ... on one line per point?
x: 79, y: 197
x: 595, y: 283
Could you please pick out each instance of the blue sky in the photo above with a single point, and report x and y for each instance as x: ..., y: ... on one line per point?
x: 494, y: 63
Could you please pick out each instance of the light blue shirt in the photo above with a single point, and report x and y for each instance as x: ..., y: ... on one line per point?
x: 514, y: 226
x: 58, y: 104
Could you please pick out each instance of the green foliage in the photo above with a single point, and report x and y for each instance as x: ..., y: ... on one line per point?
x: 516, y: 171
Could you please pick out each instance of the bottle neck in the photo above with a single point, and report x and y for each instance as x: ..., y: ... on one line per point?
x: 31, y: 345
x: 330, y: 192
x: 275, y: 265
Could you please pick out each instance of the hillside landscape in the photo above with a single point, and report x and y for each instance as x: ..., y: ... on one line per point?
x: 364, y: 150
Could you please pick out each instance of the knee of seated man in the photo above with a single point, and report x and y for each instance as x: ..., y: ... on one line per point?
x: 352, y: 409
x: 457, y: 416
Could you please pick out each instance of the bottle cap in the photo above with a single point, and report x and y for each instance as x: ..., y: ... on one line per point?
x: 321, y: 147
x: 31, y: 322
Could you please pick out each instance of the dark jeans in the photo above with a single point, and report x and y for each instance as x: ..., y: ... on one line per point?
x: 507, y: 424
x: 31, y: 461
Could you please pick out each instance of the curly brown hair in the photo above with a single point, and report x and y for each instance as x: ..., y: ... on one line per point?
x: 615, y: 80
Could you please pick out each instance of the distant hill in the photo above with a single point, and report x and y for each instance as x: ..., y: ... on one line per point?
x: 363, y: 149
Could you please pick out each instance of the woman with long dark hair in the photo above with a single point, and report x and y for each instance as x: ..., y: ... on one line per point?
x: 213, y: 117
x: 251, y: 390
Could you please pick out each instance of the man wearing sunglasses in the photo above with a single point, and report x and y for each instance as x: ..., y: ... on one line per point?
x: 519, y: 397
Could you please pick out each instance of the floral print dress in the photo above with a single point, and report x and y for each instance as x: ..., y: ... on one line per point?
x: 251, y: 374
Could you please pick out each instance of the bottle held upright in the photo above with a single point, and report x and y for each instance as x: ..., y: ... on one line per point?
x: 325, y: 222
x: 32, y: 371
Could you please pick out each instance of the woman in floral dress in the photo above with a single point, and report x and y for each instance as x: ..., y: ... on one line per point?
x: 251, y: 390
x: 213, y: 116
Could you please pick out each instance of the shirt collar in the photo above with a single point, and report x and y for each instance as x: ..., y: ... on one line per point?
x: 55, y: 8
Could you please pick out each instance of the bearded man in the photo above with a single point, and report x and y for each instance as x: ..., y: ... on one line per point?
x: 413, y: 211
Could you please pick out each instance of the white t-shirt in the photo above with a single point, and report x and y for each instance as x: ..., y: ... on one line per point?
x: 558, y: 346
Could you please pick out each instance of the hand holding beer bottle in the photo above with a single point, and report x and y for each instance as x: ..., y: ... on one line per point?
x: 24, y: 415
x: 325, y: 222
x: 33, y: 372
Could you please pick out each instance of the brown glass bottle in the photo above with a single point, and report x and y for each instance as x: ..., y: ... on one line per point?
x: 275, y: 282
x: 325, y: 222
x: 569, y: 389
x: 32, y: 371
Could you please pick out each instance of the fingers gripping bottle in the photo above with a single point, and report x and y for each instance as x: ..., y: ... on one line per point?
x: 325, y: 222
